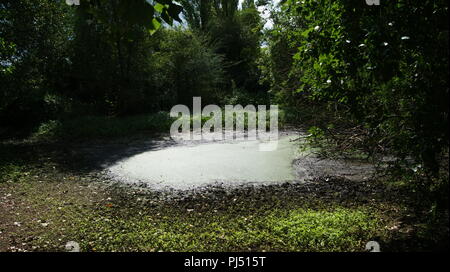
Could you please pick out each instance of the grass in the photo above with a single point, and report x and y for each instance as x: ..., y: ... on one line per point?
x: 297, y: 230
x: 12, y: 166
x: 100, y: 221
x: 104, y: 127
x: 88, y: 127
x: 11, y: 172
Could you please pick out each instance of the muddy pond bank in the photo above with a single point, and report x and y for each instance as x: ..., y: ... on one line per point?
x: 166, y: 163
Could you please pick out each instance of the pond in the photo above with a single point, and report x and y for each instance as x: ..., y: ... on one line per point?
x: 186, y: 167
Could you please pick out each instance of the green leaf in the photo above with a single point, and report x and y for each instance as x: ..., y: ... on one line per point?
x: 159, y: 7
x: 156, y: 24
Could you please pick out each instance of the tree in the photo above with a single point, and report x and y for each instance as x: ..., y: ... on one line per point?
x: 197, y: 13
x: 381, y: 66
x: 95, y: 53
x: 181, y: 55
x: 33, y: 51
x: 234, y: 33
x: 112, y: 51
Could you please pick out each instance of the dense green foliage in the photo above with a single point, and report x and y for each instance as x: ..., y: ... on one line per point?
x: 384, y: 68
x: 32, y: 56
x: 106, y: 58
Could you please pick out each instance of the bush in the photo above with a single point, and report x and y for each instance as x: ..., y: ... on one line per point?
x: 88, y: 127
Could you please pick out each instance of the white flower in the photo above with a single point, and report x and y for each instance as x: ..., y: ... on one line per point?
x: 347, y: 41
x: 405, y: 38
x: 362, y: 45
x: 317, y: 28
x: 329, y: 81
x: 385, y: 44
x: 391, y: 24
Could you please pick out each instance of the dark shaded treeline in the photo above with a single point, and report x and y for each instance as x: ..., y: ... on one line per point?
x: 98, y: 60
